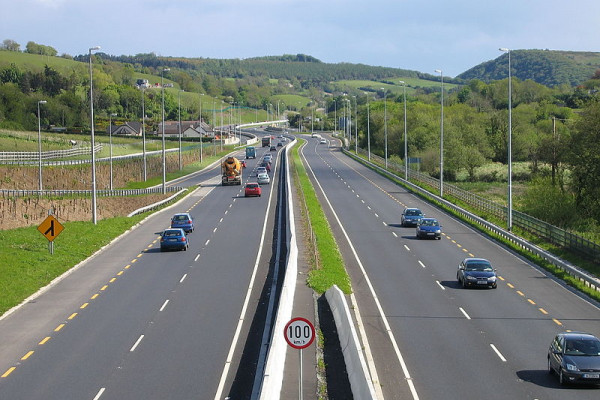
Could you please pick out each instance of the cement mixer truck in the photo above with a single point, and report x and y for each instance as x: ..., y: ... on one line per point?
x: 231, y: 171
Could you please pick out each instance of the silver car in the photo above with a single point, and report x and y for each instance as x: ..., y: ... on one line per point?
x: 263, y: 179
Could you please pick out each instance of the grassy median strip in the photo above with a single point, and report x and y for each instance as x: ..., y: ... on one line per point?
x: 330, y: 269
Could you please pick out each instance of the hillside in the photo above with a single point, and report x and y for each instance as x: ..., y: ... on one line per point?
x: 547, y: 67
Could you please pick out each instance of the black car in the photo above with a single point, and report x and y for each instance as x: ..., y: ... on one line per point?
x: 411, y: 217
x: 476, y: 272
x: 575, y: 357
x: 273, y: 148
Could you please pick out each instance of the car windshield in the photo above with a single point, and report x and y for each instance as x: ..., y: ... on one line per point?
x: 172, y: 233
x: 478, y: 266
x: 429, y: 222
x: 413, y: 213
x: 582, y: 347
x: 252, y: 185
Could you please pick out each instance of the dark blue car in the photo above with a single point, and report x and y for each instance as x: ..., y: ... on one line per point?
x: 174, y: 239
x: 183, y: 221
x: 476, y: 272
x: 411, y: 217
x: 429, y: 228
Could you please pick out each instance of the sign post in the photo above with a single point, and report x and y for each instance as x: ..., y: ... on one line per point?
x: 299, y: 334
x: 50, y: 228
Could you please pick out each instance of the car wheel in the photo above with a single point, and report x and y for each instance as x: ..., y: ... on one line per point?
x: 550, y: 370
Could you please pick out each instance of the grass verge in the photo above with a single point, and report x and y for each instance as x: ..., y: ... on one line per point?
x: 329, y: 269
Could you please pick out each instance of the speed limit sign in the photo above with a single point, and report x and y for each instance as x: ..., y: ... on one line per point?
x: 299, y: 333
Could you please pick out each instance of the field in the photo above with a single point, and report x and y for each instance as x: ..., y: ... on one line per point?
x: 396, y: 89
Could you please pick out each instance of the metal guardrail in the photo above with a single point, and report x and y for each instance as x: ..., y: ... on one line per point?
x: 588, y: 280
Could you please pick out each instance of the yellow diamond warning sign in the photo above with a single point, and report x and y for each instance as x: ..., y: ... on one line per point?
x: 50, y: 228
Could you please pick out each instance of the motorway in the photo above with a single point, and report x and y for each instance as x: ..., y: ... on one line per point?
x: 137, y: 323
x: 427, y: 337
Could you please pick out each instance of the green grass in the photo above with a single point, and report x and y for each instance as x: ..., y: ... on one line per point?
x: 289, y: 100
x: 330, y: 269
x: 397, y: 88
x: 26, y: 265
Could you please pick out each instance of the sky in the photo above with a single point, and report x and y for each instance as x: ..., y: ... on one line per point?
x: 449, y: 35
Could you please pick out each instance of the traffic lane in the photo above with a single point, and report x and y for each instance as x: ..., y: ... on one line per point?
x: 535, y: 286
x: 453, y: 270
x: 161, y: 263
x: 23, y: 329
x: 181, y: 348
x: 401, y: 287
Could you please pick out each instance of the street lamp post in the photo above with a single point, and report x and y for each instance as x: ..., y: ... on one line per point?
x: 355, y: 125
x: 40, y: 142
x: 201, y: 142
x: 144, y: 136
x: 405, y: 135
x: 179, y: 130
x: 111, y: 148
x: 509, y: 213
x: 368, y: 127
x: 164, y: 155
x: 92, y: 143
x: 439, y: 71
x: 385, y: 126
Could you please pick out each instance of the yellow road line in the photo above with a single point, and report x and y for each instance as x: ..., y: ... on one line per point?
x: 26, y: 356
x: 543, y: 311
x: 58, y: 328
x: 8, y: 372
x: 44, y: 340
x: 72, y: 315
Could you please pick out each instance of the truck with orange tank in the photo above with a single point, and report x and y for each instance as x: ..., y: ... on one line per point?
x: 231, y: 171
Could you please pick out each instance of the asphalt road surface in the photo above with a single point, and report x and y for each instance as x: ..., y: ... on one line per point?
x: 428, y: 337
x: 137, y: 323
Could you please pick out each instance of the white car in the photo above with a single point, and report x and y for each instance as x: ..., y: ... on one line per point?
x: 261, y: 170
x: 323, y: 141
x: 263, y: 179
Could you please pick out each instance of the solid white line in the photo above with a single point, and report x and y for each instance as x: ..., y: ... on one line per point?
x: 440, y: 285
x: 464, y: 313
x: 422, y: 265
x: 379, y: 308
x: 183, y: 278
x: 99, y: 393
x: 164, y: 305
x: 136, y: 343
x: 498, y: 352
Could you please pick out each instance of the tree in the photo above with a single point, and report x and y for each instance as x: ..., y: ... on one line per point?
x: 11, y: 45
x: 585, y: 161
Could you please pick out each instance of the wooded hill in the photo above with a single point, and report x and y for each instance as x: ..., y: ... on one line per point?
x: 546, y: 67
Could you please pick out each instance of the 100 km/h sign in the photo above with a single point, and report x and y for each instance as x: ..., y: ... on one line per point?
x: 299, y: 333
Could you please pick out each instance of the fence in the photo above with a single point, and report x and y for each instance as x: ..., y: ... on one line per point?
x: 551, y: 233
x: 34, y: 156
x: 86, y: 193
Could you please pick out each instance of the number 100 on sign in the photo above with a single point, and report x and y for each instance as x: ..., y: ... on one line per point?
x: 299, y: 333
